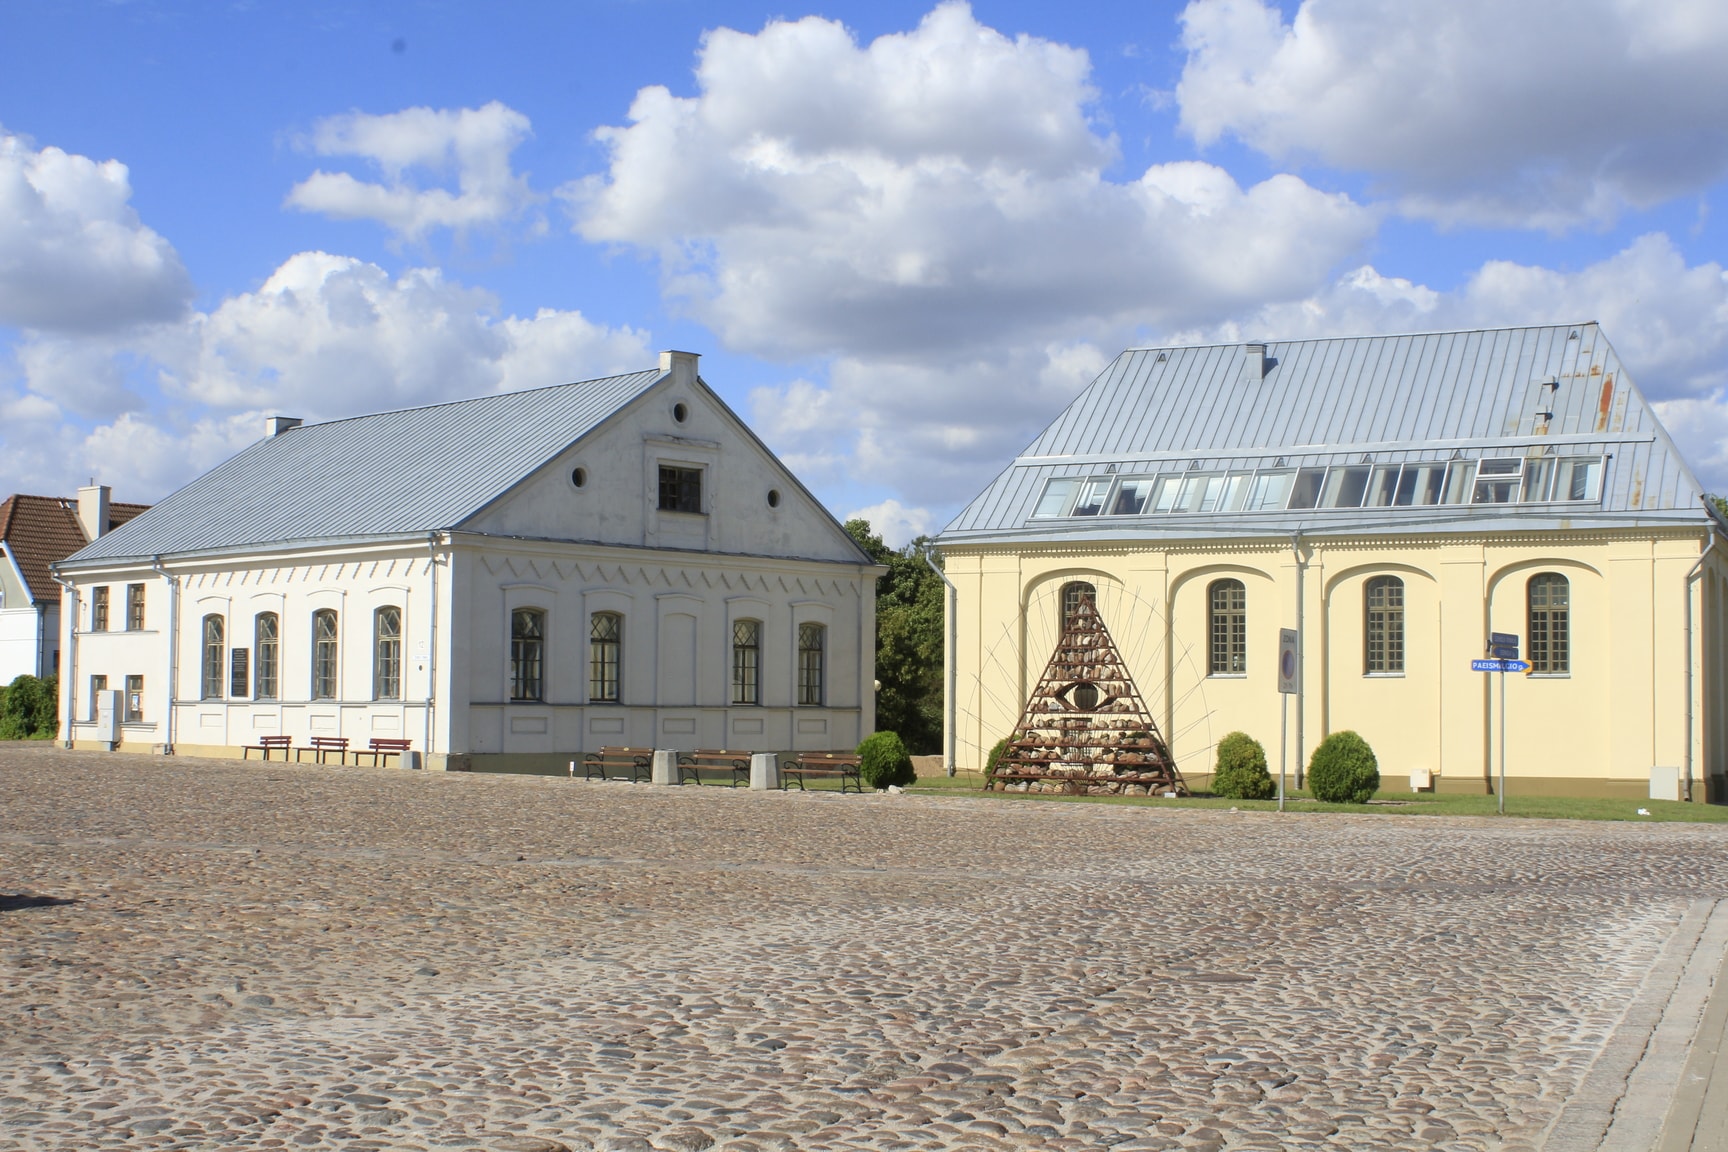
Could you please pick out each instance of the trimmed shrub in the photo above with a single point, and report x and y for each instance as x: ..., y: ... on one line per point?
x: 1241, y: 772
x: 29, y: 708
x: 995, y: 758
x: 1343, y: 770
x: 883, y: 761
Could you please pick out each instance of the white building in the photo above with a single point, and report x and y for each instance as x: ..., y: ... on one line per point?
x: 35, y: 533
x: 506, y: 581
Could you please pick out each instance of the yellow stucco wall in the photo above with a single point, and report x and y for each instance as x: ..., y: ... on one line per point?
x: 1597, y: 730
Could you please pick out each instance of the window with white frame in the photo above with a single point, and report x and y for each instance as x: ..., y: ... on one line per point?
x: 267, y: 643
x: 1229, y: 620
x: 1383, y: 603
x: 215, y: 657
x: 324, y: 654
x: 387, y: 653
x: 1549, y: 597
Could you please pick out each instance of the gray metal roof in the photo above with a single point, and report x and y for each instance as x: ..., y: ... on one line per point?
x: 409, y: 471
x: 1379, y: 399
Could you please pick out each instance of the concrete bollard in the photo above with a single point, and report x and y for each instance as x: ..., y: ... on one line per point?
x: 764, y: 771
x: 665, y: 770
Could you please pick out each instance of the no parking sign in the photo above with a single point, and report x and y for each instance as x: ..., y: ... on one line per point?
x: 1289, y: 670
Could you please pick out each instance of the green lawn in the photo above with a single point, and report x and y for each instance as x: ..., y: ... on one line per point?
x: 1386, y: 802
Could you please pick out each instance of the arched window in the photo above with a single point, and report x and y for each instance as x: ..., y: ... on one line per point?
x: 605, y: 649
x: 1073, y: 593
x: 266, y: 642
x: 746, y: 662
x: 812, y: 638
x: 1550, y: 605
x: 527, y: 654
x: 387, y: 653
x: 1229, y: 620
x: 214, y: 651
x: 324, y: 654
x: 1384, y: 634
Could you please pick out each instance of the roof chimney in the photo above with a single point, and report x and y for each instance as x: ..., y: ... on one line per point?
x: 682, y: 366
x: 276, y: 425
x: 1254, y: 362
x: 93, y: 509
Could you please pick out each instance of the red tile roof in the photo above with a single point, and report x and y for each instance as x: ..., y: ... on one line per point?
x: 43, y: 530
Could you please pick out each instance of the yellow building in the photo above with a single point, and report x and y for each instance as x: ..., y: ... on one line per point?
x: 1394, y: 500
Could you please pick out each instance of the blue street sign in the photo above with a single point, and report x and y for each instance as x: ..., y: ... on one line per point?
x: 1499, y: 666
x: 1503, y: 645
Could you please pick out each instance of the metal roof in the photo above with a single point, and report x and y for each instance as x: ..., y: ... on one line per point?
x: 1371, y: 399
x: 392, y: 473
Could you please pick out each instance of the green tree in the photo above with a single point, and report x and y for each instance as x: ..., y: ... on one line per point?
x: 30, y: 709
x: 908, y: 641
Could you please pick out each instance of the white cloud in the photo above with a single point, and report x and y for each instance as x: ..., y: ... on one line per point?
x: 1542, y: 113
x: 897, y: 524
x: 324, y: 337
x: 933, y: 191
x: 474, y: 143
x: 74, y: 256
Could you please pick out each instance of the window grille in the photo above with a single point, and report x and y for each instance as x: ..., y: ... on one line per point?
x: 134, y: 710
x: 527, y: 654
x: 1072, y: 594
x: 266, y: 640
x: 811, y: 640
x: 99, y: 609
x: 135, y: 607
x: 1229, y: 628
x: 214, y: 657
x: 387, y: 653
x: 324, y: 654
x: 680, y: 489
x: 1385, y: 626
x: 1550, y: 597
x: 746, y: 662
x: 605, y: 647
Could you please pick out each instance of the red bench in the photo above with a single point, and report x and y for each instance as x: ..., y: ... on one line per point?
x: 379, y: 748
x: 324, y: 745
x: 266, y: 743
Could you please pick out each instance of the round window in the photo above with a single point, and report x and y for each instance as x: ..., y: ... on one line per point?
x: 679, y: 412
x: 579, y: 477
x: 773, y: 497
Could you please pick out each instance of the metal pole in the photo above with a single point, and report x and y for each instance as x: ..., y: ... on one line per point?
x: 1301, y: 654
x: 1502, y: 743
x: 951, y: 661
x: 1283, y: 742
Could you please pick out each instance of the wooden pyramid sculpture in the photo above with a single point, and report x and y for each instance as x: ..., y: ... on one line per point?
x: 1085, y: 728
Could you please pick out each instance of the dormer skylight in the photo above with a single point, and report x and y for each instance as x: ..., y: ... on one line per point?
x: 1479, y: 481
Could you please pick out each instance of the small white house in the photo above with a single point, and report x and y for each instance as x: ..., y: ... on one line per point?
x: 507, y: 582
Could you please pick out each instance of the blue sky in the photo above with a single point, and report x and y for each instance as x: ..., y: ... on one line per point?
x: 901, y: 235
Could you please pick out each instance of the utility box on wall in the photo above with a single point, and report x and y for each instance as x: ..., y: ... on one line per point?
x: 1664, y: 783
x: 108, y: 716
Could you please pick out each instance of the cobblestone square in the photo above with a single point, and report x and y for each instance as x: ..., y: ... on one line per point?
x: 206, y: 954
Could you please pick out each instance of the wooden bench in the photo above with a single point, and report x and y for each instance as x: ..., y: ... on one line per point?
x: 692, y: 765
x: 322, y: 746
x: 841, y: 765
x: 265, y: 743
x: 378, y: 748
x: 638, y: 762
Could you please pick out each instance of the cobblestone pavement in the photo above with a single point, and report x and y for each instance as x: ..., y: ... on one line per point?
x: 200, y: 954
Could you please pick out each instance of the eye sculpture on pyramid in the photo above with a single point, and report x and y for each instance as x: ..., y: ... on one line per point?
x: 1085, y: 728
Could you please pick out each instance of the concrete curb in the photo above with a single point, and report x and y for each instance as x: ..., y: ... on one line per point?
x: 1625, y: 1099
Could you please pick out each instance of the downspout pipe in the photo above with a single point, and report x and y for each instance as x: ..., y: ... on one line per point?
x: 1301, y: 658
x: 173, y: 647
x: 432, y: 645
x: 950, y: 658
x: 1697, y: 569
x: 68, y: 682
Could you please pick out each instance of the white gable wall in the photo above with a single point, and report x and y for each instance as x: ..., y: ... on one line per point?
x: 618, y: 503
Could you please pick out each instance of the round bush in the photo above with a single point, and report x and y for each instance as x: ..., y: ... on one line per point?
x: 1343, y: 770
x: 883, y: 761
x: 1241, y: 772
x: 995, y: 757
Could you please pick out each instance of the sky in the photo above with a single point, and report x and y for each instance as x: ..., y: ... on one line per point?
x: 901, y: 235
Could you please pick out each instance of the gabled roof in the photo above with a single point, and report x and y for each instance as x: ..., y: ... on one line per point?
x: 410, y: 471
x: 1558, y: 390
x: 42, y: 530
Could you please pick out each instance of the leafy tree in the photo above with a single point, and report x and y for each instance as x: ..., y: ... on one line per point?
x: 909, y: 641
x: 30, y: 709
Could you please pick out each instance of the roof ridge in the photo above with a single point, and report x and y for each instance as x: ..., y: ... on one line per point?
x: 1367, y: 336
x: 477, y: 399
